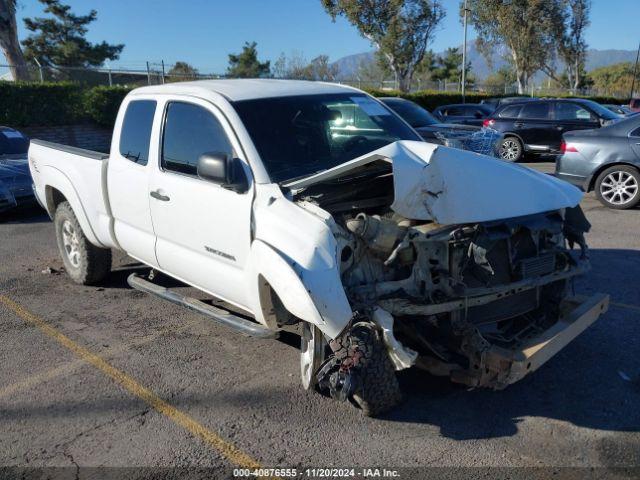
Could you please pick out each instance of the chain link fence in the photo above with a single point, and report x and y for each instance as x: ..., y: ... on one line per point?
x: 155, y: 73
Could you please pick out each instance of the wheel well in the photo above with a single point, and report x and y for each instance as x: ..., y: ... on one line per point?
x: 602, y: 168
x: 509, y: 134
x: 54, y: 197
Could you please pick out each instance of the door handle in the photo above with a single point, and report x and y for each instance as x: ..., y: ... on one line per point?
x: 519, y: 124
x: 158, y: 196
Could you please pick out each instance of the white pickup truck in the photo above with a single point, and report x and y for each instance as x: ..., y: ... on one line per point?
x: 314, y: 208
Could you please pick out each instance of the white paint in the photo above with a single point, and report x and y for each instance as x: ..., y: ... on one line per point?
x: 451, y: 186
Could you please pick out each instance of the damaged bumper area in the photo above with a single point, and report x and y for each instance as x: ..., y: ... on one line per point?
x: 501, y: 366
x: 482, y: 299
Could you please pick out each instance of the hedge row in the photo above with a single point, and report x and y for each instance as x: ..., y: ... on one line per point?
x: 431, y: 99
x: 32, y: 104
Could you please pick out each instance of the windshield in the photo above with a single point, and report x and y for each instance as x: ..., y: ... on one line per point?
x: 413, y: 114
x: 12, y: 142
x: 301, y: 135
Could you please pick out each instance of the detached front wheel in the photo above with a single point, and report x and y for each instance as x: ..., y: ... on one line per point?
x: 312, y: 354
x: 85, y: 263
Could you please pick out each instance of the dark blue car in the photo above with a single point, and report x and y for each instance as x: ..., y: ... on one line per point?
x: 15, y: 178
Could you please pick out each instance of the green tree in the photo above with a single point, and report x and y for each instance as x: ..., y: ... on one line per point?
x: 59, y: 40
x: 613, y: 79
x: 448, y: 67
x: 573, y: 46
x: 499, y: 81
x: 9, y: 40
x: 246, y: 63
x: 182, y: 71
x: 528, y: 28
x: 400, y: 29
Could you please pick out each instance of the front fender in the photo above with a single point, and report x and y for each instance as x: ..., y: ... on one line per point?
x: 315, y: 296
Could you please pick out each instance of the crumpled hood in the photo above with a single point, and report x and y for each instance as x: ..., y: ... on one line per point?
x: 451, y: 186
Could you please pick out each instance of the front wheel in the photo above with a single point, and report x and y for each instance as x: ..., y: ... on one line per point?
x: 312, y: 354
x: 85, y: 263
x: 511, y: 149
x: 618, y: 187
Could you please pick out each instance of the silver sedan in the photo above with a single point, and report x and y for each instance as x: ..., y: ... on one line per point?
x: 606, y: 160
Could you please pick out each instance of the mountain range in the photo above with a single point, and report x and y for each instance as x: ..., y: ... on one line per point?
x: 348, y: 66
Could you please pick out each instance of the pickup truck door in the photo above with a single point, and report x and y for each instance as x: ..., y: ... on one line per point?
x: 128, y: 179
x: 202, y: 229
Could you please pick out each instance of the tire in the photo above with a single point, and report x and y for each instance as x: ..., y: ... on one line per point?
x: 378, y: 390
x: 511, y: 149
x: 312, y: 354
x: 618, y: 187
x: 85, y: 263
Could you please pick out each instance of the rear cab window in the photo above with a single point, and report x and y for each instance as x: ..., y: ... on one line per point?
x: 135, y: 134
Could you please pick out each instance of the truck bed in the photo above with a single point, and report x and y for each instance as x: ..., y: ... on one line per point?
x: 80, y: 176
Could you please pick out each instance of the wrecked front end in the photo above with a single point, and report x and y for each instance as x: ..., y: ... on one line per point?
x: 484, y: 302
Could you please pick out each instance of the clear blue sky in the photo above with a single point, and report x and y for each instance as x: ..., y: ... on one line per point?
x: 203, y: 32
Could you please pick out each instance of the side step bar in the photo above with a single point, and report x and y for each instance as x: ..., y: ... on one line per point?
x: 218, y: 315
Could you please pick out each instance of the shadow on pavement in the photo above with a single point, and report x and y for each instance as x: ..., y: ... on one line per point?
x: 30, y: 214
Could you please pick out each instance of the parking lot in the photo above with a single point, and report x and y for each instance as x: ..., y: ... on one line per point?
x: 108, y: 376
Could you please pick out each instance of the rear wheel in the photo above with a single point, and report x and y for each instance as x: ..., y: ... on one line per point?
x: 618, y: 187
x: 84, y: 262
x: 511, y: 149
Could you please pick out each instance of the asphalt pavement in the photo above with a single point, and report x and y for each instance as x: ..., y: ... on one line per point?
x: 107, y: 376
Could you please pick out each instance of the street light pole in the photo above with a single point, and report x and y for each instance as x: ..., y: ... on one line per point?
x: 464, y: 53
x: 635, y: 69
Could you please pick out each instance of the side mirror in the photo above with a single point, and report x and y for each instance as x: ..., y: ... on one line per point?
x: 223, y: 170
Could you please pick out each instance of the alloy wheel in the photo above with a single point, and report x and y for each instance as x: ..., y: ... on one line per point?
x: 510, y: 149
x: 71, y: 243
x: 619, y: 188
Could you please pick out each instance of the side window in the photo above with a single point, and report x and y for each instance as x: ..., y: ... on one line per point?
x: 456, y: 112
x: 510, y: 112
x: 535, y: 111
x: 190, y: 131
x: 572, y: 112
x: 635, y: 133
x: 136, y: 130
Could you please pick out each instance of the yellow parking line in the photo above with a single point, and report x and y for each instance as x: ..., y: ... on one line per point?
x: 68, y: 367
x: 226, y: 449
x: 627, y: 306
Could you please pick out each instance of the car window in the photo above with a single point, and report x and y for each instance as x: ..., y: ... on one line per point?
x: 413, y: 114
x: 635, y: 133
x: 572, y: 112
x: 535, y: 111
x: 456, y: 111
x: 190, y: 131
x: 135, y: 134
x: 510, y: 112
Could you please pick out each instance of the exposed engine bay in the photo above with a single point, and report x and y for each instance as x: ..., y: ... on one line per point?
x: 444, y: 296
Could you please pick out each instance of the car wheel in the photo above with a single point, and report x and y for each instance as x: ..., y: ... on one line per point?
x: 312, y: 354
x: 510, y: 149
x: 85, y: 263
x: 618, y: 187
